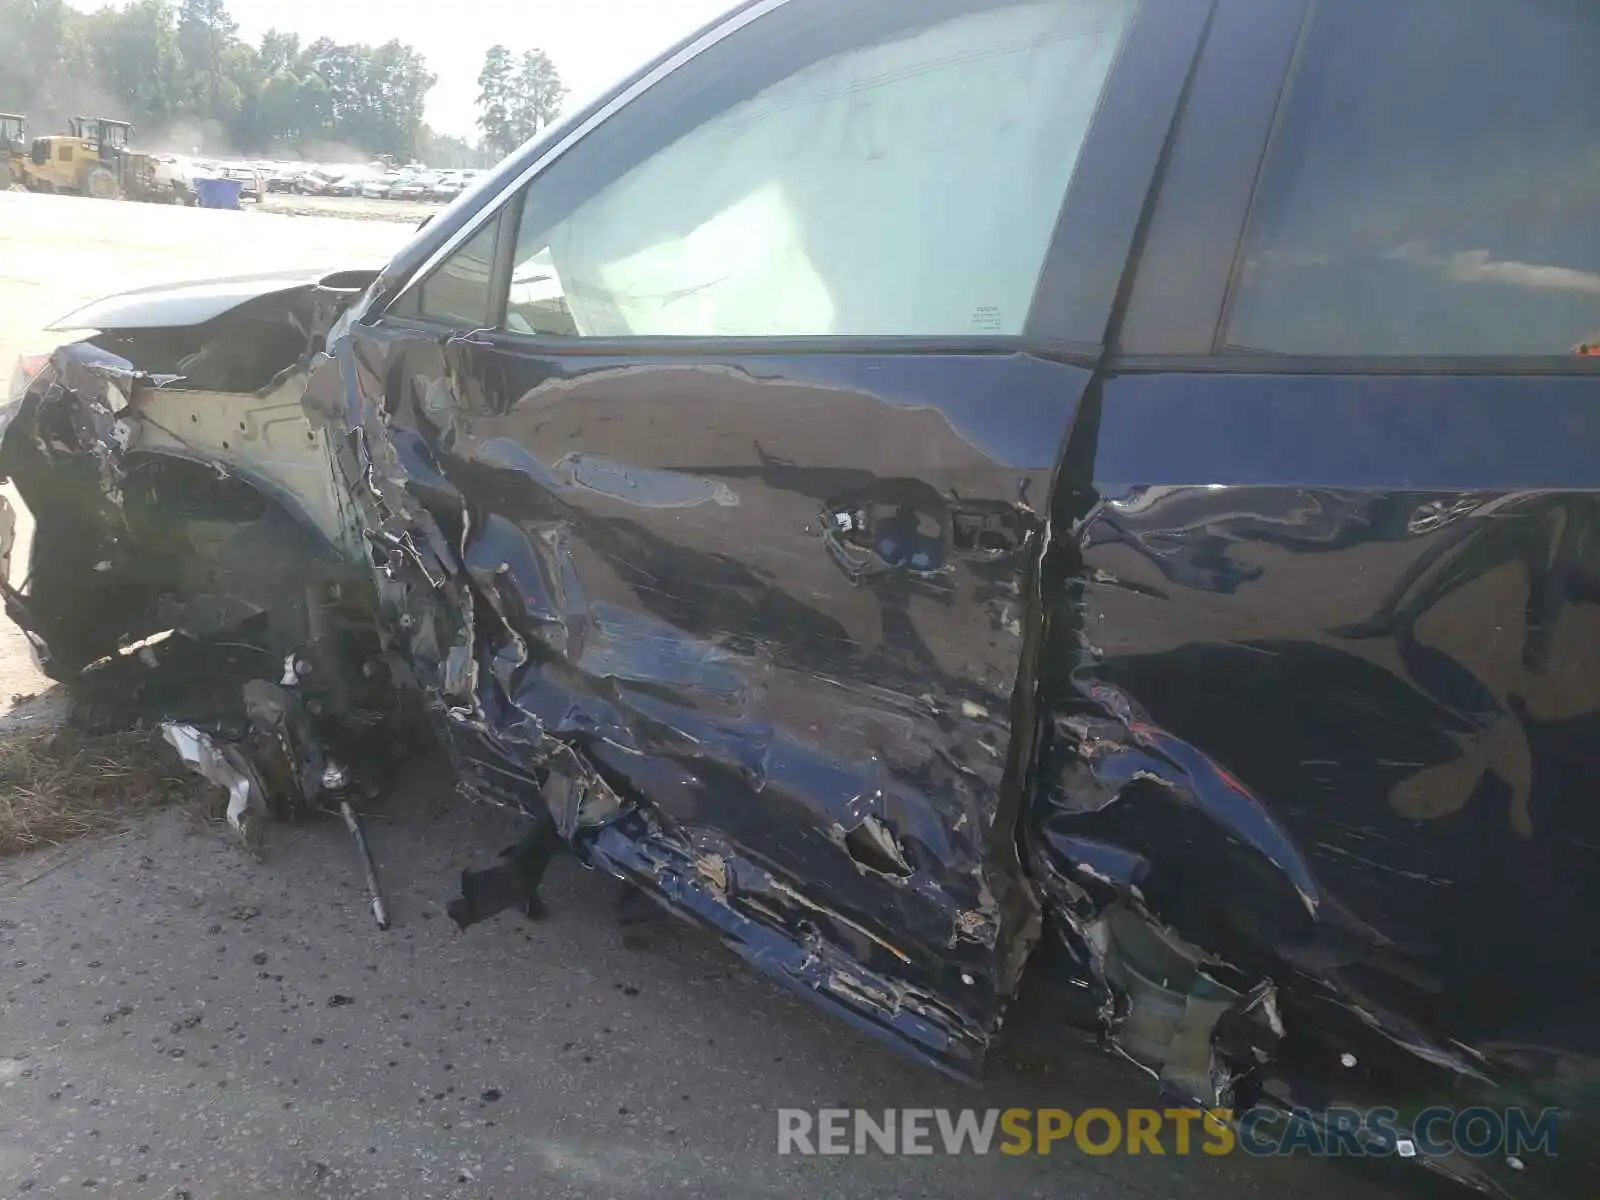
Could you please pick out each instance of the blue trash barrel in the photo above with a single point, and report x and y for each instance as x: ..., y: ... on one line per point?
x: 218, y: 193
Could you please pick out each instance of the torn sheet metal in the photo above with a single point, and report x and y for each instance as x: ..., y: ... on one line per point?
x: 661, y: 622
x: 177, y: 484
x: 223, y: 766
x: 189, y: 540
x: 1323, y: 797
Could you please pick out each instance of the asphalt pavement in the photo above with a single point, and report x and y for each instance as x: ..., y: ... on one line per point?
x: 181, y: 1016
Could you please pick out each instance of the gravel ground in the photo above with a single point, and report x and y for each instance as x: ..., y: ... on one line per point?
x: 411, y: 212
x: 181, y: 1018
x: 178, y: 1017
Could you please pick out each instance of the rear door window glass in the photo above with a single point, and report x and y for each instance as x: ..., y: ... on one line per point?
x: 1433, y: 188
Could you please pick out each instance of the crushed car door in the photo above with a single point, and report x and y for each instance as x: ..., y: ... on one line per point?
x: 1329, y: 721
x: 741, y: 417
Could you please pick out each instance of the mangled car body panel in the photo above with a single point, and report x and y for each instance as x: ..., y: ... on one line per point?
x: 759, y: 619
x: 191, y: 542
x: 1257, y: 691
x: 765, y: 613
x: 821, y: 731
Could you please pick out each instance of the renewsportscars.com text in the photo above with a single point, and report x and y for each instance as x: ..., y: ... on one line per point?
x: 1262, y: 1132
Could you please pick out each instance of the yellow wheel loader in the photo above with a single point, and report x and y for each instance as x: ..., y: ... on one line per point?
x: 13, y: 148
x: 93, y: 159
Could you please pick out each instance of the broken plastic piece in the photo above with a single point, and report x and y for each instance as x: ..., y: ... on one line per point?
x: 511, y: 883
x: 214, y: 763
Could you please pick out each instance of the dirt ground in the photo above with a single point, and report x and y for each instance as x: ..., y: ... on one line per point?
x: 408, y: 212
x: 182, y: 1018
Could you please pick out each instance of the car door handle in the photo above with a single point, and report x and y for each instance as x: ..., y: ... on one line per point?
x: 990, y: 530
x: 894, y: 526
x: 870, y: 536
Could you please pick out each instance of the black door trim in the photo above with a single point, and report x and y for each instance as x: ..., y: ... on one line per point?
x: 1178, y: 297
x: 1106, y: 202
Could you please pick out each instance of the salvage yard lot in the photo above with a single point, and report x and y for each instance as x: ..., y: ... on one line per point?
x: 179, y: 1016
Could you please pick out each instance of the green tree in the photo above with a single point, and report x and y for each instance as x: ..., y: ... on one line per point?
x: 135, y: 51
x: 33, y: 43
x: 397, y: 85
x: 314, y: 107
x: 495, y: 100
x: 280, y: 111
x: 344, y: 69
x: 279, y: 52
x: 240, y: 82
x: 538, y: 96
x: 205, y: 32
x: 170, y: 64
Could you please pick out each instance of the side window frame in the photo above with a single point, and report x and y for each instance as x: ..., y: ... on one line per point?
x: 1085, y: 263
x: 496, y: 207
x: 1107, y: 204
x: 406, y: 305
x: 1176, y: 305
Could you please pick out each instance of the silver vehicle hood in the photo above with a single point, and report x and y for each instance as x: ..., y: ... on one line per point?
x: 182, y: 304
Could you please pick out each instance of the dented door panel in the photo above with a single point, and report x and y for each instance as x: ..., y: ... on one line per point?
x: 1323, y: 702
x: 751, y: 621
x: 777, y: 604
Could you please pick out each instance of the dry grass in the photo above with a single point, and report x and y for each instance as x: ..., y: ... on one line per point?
x: 62, y: 785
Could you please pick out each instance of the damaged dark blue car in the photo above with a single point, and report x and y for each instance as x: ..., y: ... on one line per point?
x: 933, y: 491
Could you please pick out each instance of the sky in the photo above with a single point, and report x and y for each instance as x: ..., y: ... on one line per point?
x: 593, y: 43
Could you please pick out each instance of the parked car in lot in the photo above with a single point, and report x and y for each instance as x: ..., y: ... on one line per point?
x: 453, y: 183
x: 284, y: 177
x: 348, y: 185
x: 447, y: 185
x: 314, y: 182
x: 378, y: 187
x: 252, y: 182
x: 177, y: 174
x: 414, y: 187
x: 1118, y: 510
